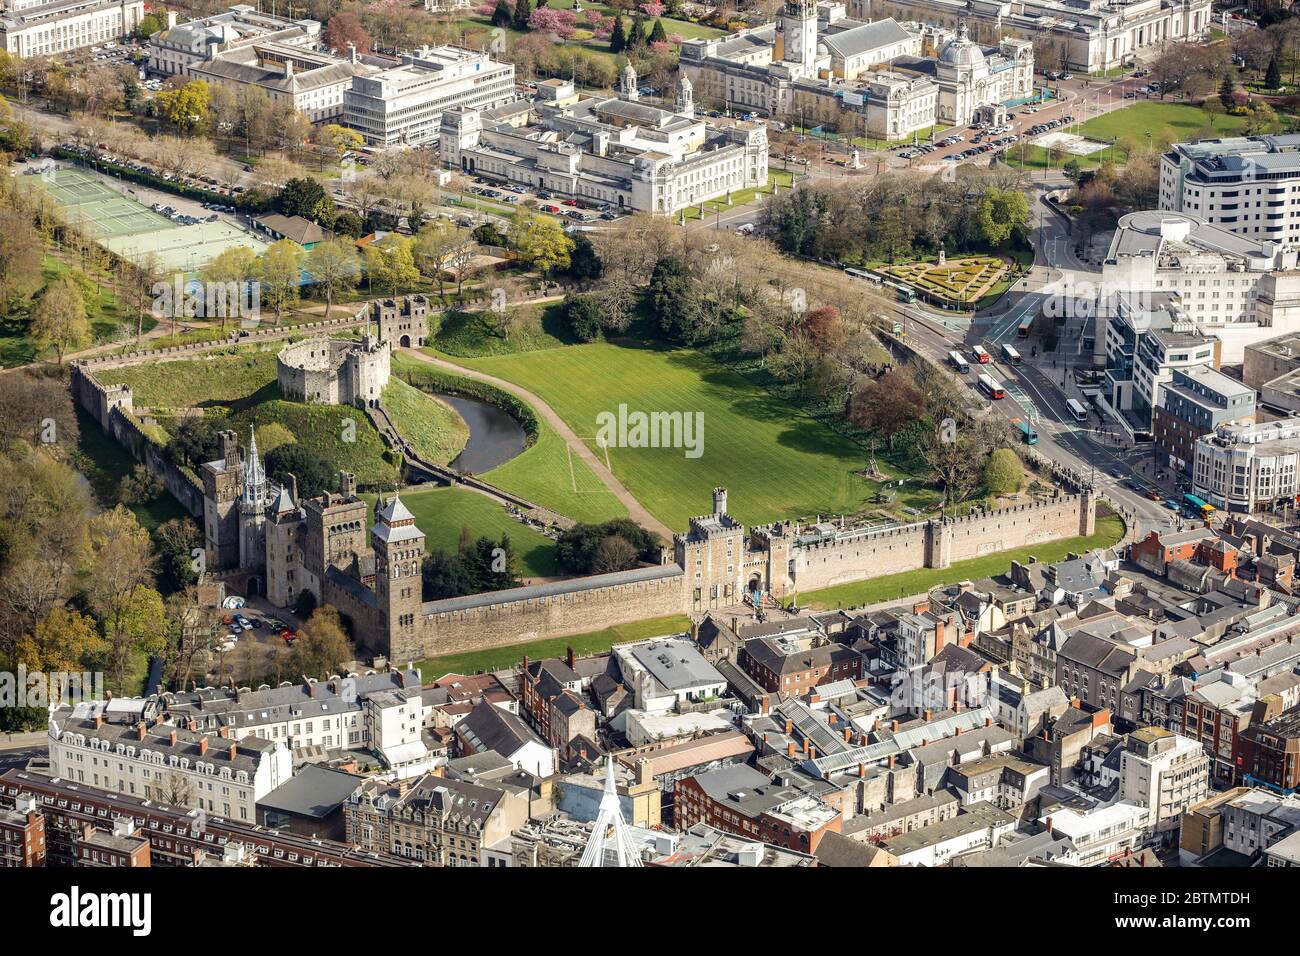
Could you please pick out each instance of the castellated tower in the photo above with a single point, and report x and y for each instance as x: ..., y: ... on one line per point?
x: 252, y: 511
x: 799, y: 30
x: 284, y: 525
x: 221, y: 492
x: 712, y: 553
x: 399, y: 551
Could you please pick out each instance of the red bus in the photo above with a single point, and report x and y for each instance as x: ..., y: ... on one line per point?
x: 992, y: 388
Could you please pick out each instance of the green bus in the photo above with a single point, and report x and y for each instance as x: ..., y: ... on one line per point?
x: 1027, y: 433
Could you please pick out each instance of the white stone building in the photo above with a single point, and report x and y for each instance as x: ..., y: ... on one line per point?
x: 815, y: 62
x: 1165, y: 773
x: 1086, y: 35
x: 42, y: 28
x: 1245, y: 467
x: 379, y: 712
x: 604, y: 149
x: 403, y: 105
x: 178, y: 46
x: 167, y: 763
x: 312, y: 82
x: 1237, y: 288
x: 1248, y: 185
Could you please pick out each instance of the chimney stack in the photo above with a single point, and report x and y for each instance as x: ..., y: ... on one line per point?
x: 139, y: 730
x: 203, y: 745
x: 172, y: 738
x: 234, y: 752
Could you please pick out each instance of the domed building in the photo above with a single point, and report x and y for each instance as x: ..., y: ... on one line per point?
x: 970, y: 78
x: 815, y: 61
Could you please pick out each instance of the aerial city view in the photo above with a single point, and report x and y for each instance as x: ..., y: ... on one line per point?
x: 771, y: 434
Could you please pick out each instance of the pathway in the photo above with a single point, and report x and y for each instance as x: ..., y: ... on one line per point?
x: 635, y: 509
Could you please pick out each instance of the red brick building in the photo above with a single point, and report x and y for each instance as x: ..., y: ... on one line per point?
x: 1270, y: 746
x: 1156, y: 550
x: 22, y: 835
x: 743, y: 801
x: 791, y: 668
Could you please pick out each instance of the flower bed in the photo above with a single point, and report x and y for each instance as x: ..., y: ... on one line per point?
x: 962, y: 280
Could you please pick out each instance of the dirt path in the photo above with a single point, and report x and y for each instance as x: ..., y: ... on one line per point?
x: 635, y: 509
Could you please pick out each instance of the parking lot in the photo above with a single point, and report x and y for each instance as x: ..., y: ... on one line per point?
x: 577, y: 210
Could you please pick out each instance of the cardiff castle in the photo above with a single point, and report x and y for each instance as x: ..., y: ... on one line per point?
x: 367, y: 563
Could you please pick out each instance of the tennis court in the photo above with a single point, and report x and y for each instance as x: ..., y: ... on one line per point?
x: 101, y: 210
x: 184, y: 248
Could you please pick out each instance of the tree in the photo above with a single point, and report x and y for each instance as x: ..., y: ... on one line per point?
x: 147, y: 27
x: 59, y: 318
x: 887, y: 405
x: 322, y: 647
x: 118, y: 573
x: 501, y: 15
x: 334, y: 266
x: 1001, y: 212
x: 20, y: 257
x: 312, y: 472
x: 307, y: 198
x: 523, y: 12
x: 675, y: 298
x: 578, y: 550
x: 584, y: 262
x: 434, y: 248
x: 540, y: 241
x: 617, y: 39
x: 185, y: 108
x: 1273, y: 76
x: 582, y: 316
x: 340, y: 139
x: 1003, y: 473
x: 1226, y: 88
x: 390, y: 262
x: 234, y: 266
x: 635, y: 37
x: 279, y: 273
x: 176, y: 541
x: 344, y: 28
x: 62, y: 641
x: 657, y: 34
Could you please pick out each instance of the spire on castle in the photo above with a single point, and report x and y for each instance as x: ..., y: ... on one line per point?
x: 254, y: 476
x: 629, y: 89
x: 610, y: 842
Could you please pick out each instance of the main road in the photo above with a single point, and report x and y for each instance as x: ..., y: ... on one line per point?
x: 1039, y: 387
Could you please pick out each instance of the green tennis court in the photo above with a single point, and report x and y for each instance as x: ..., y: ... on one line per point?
x: 184, y: 248
x: 100, y: 209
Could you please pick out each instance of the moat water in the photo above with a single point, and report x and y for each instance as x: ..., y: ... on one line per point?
x: 494, y: 437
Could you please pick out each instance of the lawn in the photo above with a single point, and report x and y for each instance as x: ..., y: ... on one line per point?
x: 1110, y: 529
x: 594, y: 642
x: 341, y: 435
x: 1181, y: 120
x: 741, y: 197
x: 217, y: 381
x: 433, y: 428
x: 776, y: 461
x: 441, y: 513
x: 468, y: 335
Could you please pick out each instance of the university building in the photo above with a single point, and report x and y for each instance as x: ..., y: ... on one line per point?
x: 607, y: 149
x: 177, y: 47
x: 40, y: 28
x: 1086, y: 35
x: 900, y: 78
x: 403, y: 105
